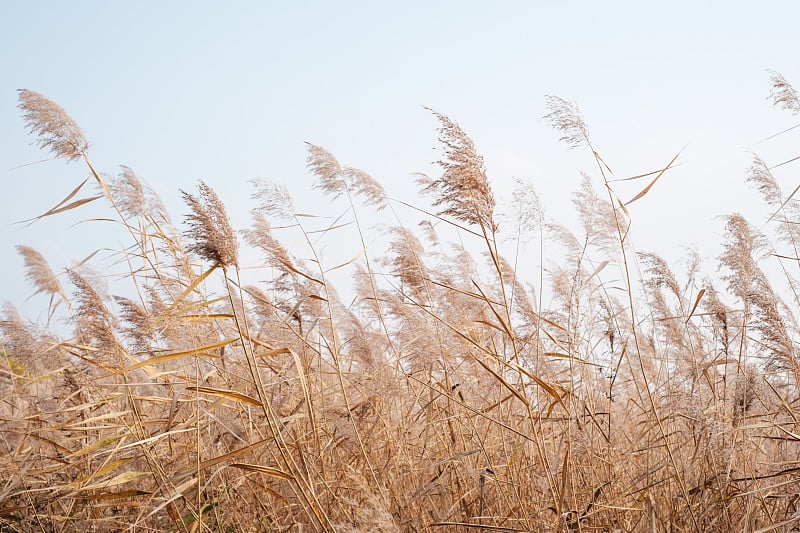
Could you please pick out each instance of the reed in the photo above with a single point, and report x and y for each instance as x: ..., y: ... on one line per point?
x: 450, y: 390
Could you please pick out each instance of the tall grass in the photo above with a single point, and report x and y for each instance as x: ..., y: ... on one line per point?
x: 451, y: 394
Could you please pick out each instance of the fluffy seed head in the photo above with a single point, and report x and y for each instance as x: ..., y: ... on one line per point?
x: 463, y: 189
x: 209, y: 228
x: 336, y: 180
x: 565, y: 117
x: 55, y: 129
x: 38, y: 272
x: 273, y: 198
x: 783, y: 94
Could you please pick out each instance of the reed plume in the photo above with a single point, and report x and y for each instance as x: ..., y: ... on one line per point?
x: 210, y: 231
x: 564, y: 116
x: 335, y: 180
x: 55, y: 129
x: 463, y: 190
x: 94, y: 322
x: 38, y: 272
x: 273, y: 198
x: 783, y: 94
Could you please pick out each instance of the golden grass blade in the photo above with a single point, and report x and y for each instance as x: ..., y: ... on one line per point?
x: 696, y: 303
x: 506, y: 327
x: 85, y: 425
x: 329, y: 228
x: 300, y: 272
x: 200, y: 351
x: 348, y: 262
x: 650, y: 185
x: 229, y: 394
x: 125, y: 477
x: 208, y: 316
x: 66, y: 199
x: 464, y: 292
x: 640, y: 176
x: 595, y: 273
x: 73, y: 205
x: 273, y: 472
x: 120, y: 495
x: 102, y: 443
x: 105, y: 469
x: 192, y: 286
x: 156, y: 437
x: 619, y: 201
x: 513, y: 390
x: 550, y: 389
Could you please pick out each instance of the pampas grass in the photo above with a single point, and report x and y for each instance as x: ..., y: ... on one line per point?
x: 445, y: 388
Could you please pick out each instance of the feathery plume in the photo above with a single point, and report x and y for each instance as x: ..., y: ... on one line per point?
x: 140, y: 329
x: 260, y: 236
x: 209, y: 227
x: 762, y: 179
x: 597, y: 217
x: 38, y: 272
x: 274, y: 199
x: 719, y: 313
x: 526, y: 208
x: 406, y: 262
x: 463, y: 189
x: 56, y: 130
x: 744, y: 393
x: 328, y: 171
x: 362, y: 184
x: 783, y: 94
x: 94, y: 321
x: 19, y: 338
x: 129, y: 193
x: 564, y: 116
x: 337, y: 180
x: 659, y: 273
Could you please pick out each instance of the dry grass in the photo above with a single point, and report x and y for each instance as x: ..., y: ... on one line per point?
x: 447, y: 397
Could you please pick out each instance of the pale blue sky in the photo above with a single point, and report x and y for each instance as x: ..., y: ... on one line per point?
x: 230, y: 92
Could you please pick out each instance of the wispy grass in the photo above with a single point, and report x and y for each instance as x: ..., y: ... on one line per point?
x: 451, y: 390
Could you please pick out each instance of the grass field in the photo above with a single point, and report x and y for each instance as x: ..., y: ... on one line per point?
x: 449, y: 391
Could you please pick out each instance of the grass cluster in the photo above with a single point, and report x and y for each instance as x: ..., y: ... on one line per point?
x: 449, y: 395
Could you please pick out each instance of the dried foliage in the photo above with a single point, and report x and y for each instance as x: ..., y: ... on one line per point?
x: 443, y: 394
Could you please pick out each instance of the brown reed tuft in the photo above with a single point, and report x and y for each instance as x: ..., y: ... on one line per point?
x: 55, y: 129
x: 139, y: 324
x: 406, y: 263
x: 129, y: 193
x: 463, y: 190
x: 210, y: 231
x: 335, y: 180
x: 437, y: 398
x: 38, y: 272
x: 93, y: 320
x: 659, y: 274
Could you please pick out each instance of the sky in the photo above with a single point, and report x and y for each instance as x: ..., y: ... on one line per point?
x: 229, y: 92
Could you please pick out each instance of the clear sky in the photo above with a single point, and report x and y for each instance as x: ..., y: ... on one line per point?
x: 230, y: 91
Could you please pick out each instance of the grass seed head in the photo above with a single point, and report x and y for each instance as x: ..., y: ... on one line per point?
x: 56, y: 130
x: 210, y: 231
